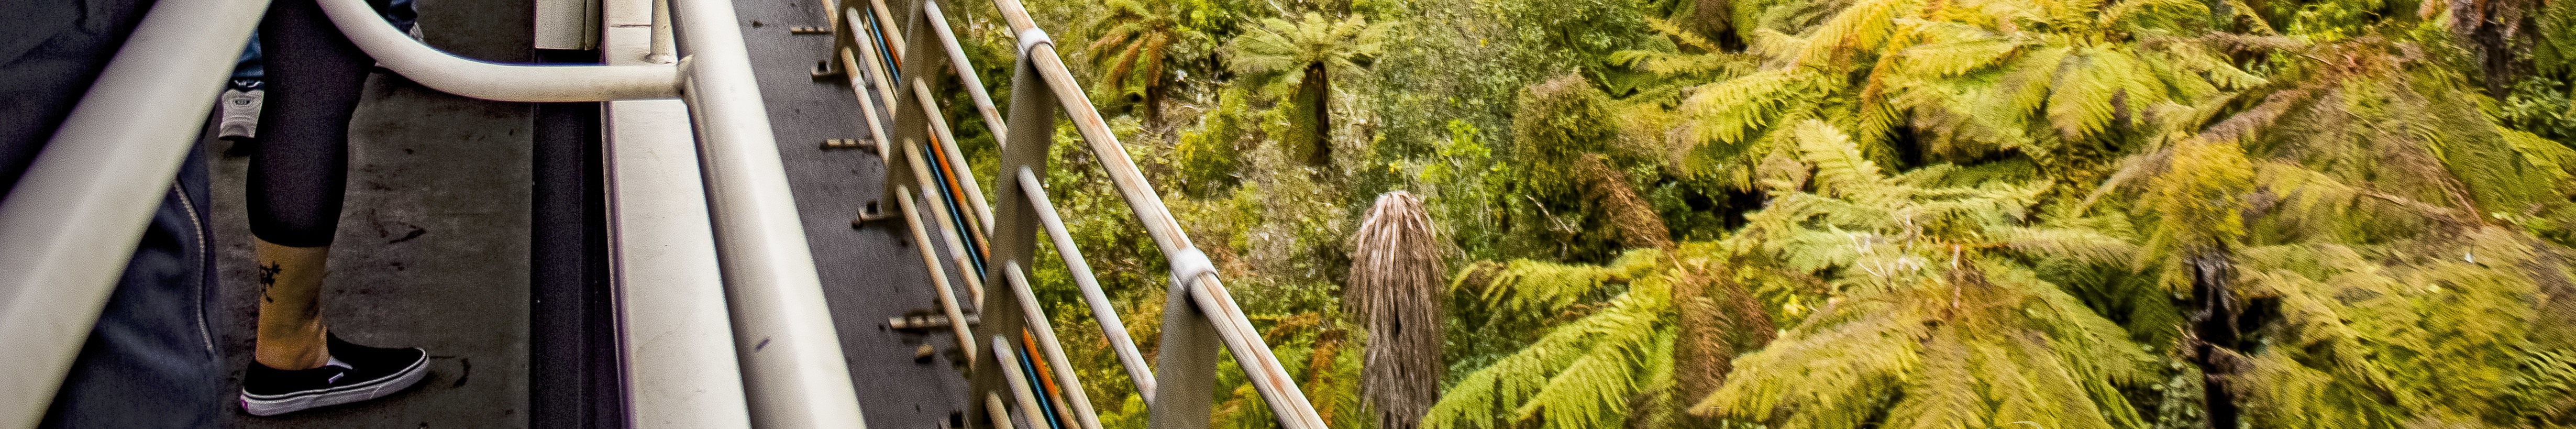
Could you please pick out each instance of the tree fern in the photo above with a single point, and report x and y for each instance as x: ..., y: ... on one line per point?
x: 1926, y: 325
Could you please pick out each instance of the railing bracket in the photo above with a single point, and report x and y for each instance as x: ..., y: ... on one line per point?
x: 823, y: 70
x: 923, y: 320
x: 871, y: 212
x: 848, y: 144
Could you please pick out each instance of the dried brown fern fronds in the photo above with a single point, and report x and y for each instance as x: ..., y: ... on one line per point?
x: 1395, y: 290
x: 1629, y: 216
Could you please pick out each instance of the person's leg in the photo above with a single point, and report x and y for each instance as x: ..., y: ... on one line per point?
x: 296, y: 179
x: 298, y: 174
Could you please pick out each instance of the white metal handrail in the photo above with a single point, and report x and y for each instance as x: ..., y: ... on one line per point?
x: 494, y: 81
x: 71, y: 223
x: 73, y: 218
x: 793, y: 371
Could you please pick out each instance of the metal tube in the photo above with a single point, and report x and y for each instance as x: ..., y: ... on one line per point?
x: 1111, y: 327
x: 948, y: 145
x: 894, y: 39
x: 494, y: 81
x: 1188, y: 324
x: 72, y: 221
x: 965, y: 71
x: 876, y: 64
x: 1054, y: 351
x: 1017, y: 379
x: 949, y: 230
x: 867, y: 110
x: 793, y: 367
x: 661, y: 51
x: 1272, y: 380
x: 1123, y: 174
x: 674, y: 330
x: 999, y: 412
x: 938, y: 275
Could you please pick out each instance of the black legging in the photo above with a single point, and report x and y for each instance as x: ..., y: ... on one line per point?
x: 314, y: 79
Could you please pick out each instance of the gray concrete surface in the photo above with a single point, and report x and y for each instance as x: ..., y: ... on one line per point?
x: 432, y: 248
x: 433, y: 245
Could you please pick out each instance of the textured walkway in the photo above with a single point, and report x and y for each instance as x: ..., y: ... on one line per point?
x: 434, y: 245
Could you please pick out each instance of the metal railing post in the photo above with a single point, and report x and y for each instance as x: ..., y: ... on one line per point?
x: 1184, y: 363
x: 1015, y: 221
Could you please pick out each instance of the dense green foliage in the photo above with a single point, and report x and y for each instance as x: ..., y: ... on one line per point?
x: 1862, y: 213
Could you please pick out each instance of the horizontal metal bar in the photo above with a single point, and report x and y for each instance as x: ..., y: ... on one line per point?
x: 965, y: 71
x: 1123, y: 174
x: 1054, y: 351
x: 1111, y: 327
x: 1019, y: 380
x: 1272, y: 380
x: 948, y: 228
x: 938, y: 275
x: 74, y: 218
x: 948, y: 146
x: 894, y: 39
x: 999, y: 412
x: 494, y: 81
x: 1277, y: 387
x: 874, y: 58
x: 674, y: 329
x: 851, y: 69
x: 793, y: 368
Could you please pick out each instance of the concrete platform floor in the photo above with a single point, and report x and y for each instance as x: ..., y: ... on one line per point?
x: 434, y: 247
x: 432, y: 250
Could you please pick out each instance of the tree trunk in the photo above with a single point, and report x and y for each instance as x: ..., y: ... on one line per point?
x: 2503, y: 33
x: 1319, y: 89
x: 1154, y: 102
x: 1717, y: 19
x: 1395, y: 289
x: 2215, y: 334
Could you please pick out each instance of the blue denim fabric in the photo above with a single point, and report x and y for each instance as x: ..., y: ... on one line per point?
x: 151, y: 362
x: 251, y: 68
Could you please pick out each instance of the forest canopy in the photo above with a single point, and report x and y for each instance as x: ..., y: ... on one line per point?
x: 1847, y: 213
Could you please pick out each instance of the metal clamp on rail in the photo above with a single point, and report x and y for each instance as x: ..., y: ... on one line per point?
x: 1188, y: 265
x: 1032, y: 37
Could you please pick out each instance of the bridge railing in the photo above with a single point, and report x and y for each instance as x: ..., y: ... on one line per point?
x: 995, y: 244
x: 71, y: 223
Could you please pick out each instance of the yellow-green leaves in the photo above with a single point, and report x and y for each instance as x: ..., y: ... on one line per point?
x: 2201, y: 195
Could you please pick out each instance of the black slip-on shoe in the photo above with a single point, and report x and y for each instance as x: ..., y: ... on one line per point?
x: 356, y: 373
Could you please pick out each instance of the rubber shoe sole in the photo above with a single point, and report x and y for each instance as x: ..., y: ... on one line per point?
x: 270, y: 405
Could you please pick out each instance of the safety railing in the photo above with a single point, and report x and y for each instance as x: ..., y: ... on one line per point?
x: 1013, y: 347
x: 73, y: 219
